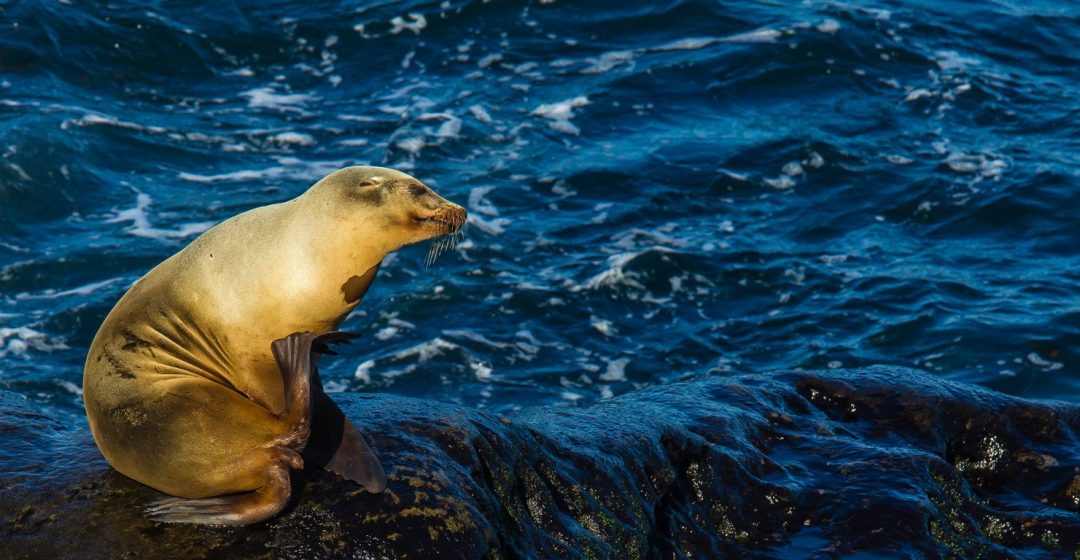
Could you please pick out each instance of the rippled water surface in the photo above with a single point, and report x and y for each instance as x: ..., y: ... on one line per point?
x: 657, y: 190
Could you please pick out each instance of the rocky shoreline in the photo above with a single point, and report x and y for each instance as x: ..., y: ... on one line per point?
x: 759, y: 466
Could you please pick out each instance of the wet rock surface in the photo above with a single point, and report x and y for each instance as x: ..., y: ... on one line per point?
x: 885, y: 462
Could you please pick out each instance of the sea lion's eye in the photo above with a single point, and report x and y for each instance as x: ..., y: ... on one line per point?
x: 367, y: 192
x: 417, y: 190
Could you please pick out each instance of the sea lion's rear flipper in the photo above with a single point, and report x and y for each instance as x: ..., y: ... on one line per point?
x: 356, y: 461
x: 336, y: 445
x: 271, y: 464
x: 234, y: 509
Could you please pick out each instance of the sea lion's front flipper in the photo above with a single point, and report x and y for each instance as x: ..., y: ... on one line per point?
x: 336, y: 445
x: 296, y: 356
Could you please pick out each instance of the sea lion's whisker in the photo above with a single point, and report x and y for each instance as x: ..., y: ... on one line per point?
x: 453, y: 226
x: 436, y: 249
x: 430, y: 258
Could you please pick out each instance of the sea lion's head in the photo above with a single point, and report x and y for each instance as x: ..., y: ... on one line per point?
x: 401, y: 209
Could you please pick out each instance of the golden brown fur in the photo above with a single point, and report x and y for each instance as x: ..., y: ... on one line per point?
x: 182, y: 391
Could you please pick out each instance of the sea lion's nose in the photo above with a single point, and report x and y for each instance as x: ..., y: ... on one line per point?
x: 457, y: 215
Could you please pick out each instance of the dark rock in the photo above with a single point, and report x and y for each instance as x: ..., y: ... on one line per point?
x: 884, y: 461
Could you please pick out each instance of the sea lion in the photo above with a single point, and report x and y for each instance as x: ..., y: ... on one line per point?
x: 201, y: 382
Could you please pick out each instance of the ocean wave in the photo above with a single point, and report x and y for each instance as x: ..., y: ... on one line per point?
x: 649, y: 185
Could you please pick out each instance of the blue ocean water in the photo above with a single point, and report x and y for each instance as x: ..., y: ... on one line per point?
x: 657, y: 190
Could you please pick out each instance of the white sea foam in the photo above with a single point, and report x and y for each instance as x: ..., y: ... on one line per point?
x: 565, y: 127
x: 14, y: 248
x: 387, y: 333
x: 477, y: 337
x: 98, y: 119
x: 792, y: 169
x: 616, y: 370
x: 525, y: 67
x: 649, y: 240
x: 757, y: 36
x: 450, y: 127
x: 363, y: 371
x: 689, y: 44
x: 918, y: 93
x: 951, y: 60
x: 290, y: 168
x: 561, y: 110
x: 415, y: 23
x: 608, y: 60
x: 267, y: 98
x: 357, y: 118
x: 334, y: 386
x: 296, y: 138
x: 425, y: 351
x: 494, y: 226
x: 603, y: 326
x: 83, y: 290
x: 1038, y: 360
x: 18, y: 341
x: 70, y: 387
x: 412, y: 144
x: 244, y: 72
x: 481, y: 371
x: 782, y: 182
x: 615, y: 274
x: 527, y: 350
x: 529, y: 337
x: 478, y: 202
x: 140, y: 222
x: 982, y: 165
x: 206, y: 139
x: 19, y: 171
x: 399, y: 323
x: 489, y: 60
x: 243, y: 175
x: 560, y: 114
x: 479, y: 113
x: 830, y: 26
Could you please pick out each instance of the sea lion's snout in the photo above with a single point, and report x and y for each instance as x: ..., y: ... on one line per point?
x: 443, y: 222
x: 445, y: 218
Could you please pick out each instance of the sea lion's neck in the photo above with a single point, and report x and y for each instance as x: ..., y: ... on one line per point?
x: 341, y: 260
